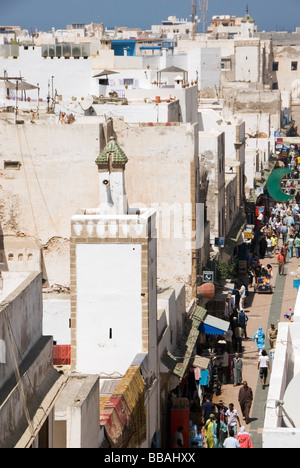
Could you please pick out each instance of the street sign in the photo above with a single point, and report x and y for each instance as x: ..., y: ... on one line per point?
x: 208, y: 277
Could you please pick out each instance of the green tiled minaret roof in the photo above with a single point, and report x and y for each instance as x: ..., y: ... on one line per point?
x: 248, y: 19
x: 113, y: 148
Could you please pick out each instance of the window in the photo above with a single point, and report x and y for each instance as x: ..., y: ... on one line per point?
x: 294, y: 66
x: 128, y: 81
x: 225, y: 64
x: 275, y: 86
x: 275, y: 66
x: 12, y: 165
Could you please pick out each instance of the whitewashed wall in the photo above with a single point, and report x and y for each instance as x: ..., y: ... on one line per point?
x: 108, y: 298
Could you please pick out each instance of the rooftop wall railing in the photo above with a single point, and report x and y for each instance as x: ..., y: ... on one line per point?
x: 66, y: 50
x: 9, y: 50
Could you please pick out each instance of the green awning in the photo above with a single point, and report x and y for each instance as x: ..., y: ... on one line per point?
x: 274, y: 185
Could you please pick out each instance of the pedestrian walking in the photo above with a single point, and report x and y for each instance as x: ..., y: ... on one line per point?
x: 291, y: 246
x: 223, y: 364
x: 208, y: 428
x: 242, y: 291
x: 262, y: 247
x: 259, y: 337
x: 269, y: 246
x: 280, y: 261
x: 238, y: 334
x: 208, y: 408
x: 245, y: 398
x: 219, y: 432
x: 228, y: 339
x: 232, y: 419
x: 297, y: 245
x: 244, y: 438
x: 284, y: 232
x: 272, y: 335
x: 222, y: 410
x: 263, y: 366
x: 285, y: 252
x: 242, y: 321
x: 237, y: 365
x: 231, y: 441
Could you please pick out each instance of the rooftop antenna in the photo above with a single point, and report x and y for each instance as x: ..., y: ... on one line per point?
x: 203, y: 4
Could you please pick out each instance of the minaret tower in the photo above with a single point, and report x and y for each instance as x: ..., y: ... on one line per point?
x: 247, y: 25
x: 111, y: 166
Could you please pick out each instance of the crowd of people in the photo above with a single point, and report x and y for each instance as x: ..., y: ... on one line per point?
x: 277, y: 236
x: 221, y: 422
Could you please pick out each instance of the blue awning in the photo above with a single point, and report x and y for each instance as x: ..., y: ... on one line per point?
x: 213, y: 326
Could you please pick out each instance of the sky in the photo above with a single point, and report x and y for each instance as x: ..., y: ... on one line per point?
x: 269, y: 15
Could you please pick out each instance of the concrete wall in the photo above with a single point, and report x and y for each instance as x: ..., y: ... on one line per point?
x: 56, y: 316
x: 171, y: 313
x: 22, y: 344
x: 71, y: 77
x: 77, y: 413
x: 83, y: 416
x: 206, y: 64
x: 247, y: 55
x: 231, y: 207
x: 187, y: 104
x: 212, y: 160
x: 260, y: 110
x: 287, y: 78
x: 113, y: 284
x: 257, y: 153
x: 51, y: 184
x: 162, y: 173
x: 109, y: 317
x: 22, y: 310
x: 285, y: 366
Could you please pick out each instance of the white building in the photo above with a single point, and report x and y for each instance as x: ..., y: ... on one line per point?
x: 282, y: 417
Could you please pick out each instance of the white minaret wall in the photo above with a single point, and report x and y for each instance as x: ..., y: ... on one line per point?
x: 109, y: 307
x: 112, y: 192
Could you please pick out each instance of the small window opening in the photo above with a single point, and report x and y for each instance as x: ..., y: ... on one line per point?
x: 294, y: 66
x: 12, y: 165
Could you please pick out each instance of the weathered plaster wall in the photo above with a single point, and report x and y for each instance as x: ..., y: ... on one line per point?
x: 162, y: 173
x: 57, y: 176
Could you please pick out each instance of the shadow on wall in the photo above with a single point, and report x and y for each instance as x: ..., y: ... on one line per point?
x: 3, y: 261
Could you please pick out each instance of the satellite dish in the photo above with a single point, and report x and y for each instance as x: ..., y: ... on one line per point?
x: 291, y: 402
x: 86, y: 102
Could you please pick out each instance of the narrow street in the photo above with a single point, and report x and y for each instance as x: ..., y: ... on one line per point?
x: 262, y: 310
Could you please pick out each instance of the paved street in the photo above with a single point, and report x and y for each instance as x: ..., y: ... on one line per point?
x: 262, y: 310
